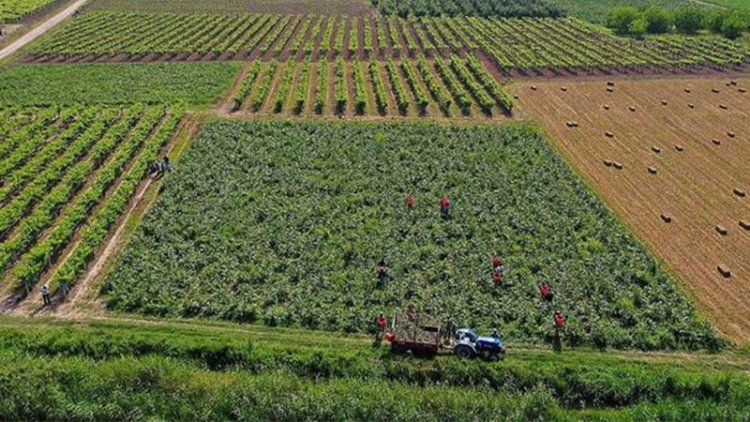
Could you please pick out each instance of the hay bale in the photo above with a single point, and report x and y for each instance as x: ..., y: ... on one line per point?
x: 716, y: 141
x: 745, y: 224
x: 652, y: 170
x: 564, y: 88
x: 715, y: 90
x: 691, y: 105
x: 721, y: 230
x: 571, y: 123
x: 606, y: 106
x: 655, y: 149
x: 663, y: 102
x: 723, y: 106
x: 724, y: 271
x: 688, y: 90
x: 516, y: 97
x: 608, y: 163
x: 610, y: 83
x: 733, y: 83
x: 679, y: 147
x: 631, y: 108
x: 533, y: 87
x: 667, y: 218
x: 742, y: 90
x: 731, y: 134
x: 739, y: 192
x: 609, y: 134
x: 610, y: 89
x: 618, y: 165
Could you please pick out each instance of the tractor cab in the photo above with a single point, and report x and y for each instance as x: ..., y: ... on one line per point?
x: 467, y: 344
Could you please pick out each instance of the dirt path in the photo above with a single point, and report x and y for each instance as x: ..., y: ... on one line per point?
x: 39, y: 30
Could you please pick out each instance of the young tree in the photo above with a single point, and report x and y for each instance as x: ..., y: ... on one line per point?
x: 688, y: 20
x: 620, y: 19
x: 638, y: 28
x: 658, y: 20
x: 733, y: 26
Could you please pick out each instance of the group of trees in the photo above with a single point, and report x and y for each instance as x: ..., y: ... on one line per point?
x: 638, y: 22
x: 485, y: 8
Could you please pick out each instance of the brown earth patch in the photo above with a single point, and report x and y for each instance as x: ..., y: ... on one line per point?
x: 669, y: 166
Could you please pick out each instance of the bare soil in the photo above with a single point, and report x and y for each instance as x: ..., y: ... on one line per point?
x: 693, y: 186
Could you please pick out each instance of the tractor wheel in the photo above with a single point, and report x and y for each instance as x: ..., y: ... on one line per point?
x: 464, y: 352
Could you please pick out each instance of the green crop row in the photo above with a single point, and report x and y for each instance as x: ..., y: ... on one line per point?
x: 459, y: 92
x: 437, y: 90
x: 97, y: 227
x: 381, y: 97
x: 247, y: 84
x: 287, y: 77
x: 402, y: 98
x: 416, y: 88
x: 342, y: 93
x: 484, y: 100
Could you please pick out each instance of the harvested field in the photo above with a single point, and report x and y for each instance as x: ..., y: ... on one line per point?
x: 701, y: 153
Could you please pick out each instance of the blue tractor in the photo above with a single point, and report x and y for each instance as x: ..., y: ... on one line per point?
x: 467, y: 344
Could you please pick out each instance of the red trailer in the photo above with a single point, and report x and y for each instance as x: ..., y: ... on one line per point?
x: 414, y: 333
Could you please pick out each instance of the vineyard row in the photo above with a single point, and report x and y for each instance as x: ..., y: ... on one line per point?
x: 67, y: 175
x: 513, y: 44
x: 448, y: 87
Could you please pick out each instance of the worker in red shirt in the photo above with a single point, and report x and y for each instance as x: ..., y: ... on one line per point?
x: 381, y: 322
x: 559, y: 321
x: 496, y: 262
x: 409, y: 202
x: 498, y: 270
x: 546, y: 291
x: 445, y: 207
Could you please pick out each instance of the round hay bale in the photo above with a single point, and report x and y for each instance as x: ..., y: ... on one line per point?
x: 716, y: 141
x: 609, y: 134
x: 631, y: 108
x: 610, y: 83
x: 739, y: 192
x: 618, y: 165
x: 663, y: 102
x: 691, y: 105
x: 745, y: 224
x: 652, y: 170
x: 679, y: 148
x: 731, y: 134
x: 610, y: 89
x: 516, y: 97
x: 533, y: 87
x: 721, y: 230
x: 688, y: 90
x: 666, y: 217
x: 606, y: 106
x: 733, y: 83
x: 655, y: 149
x: 715, y: 90
x: 723, y: 106
x: 608, y: 163
x: 724, y: 271
x: 742, y: 90
x: 564, y: 88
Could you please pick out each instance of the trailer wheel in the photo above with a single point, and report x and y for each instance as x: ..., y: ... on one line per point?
x: 464, y: 352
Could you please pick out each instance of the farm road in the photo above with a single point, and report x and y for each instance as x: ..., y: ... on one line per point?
x: 41, y: 29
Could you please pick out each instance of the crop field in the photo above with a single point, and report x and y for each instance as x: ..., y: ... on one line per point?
x: 422, y: 87
x: 15, y: 10
x: 683, y: 149
x: 284, y: 223
x: 505, y: 8
x: 196, y: 84
x: 327, y: 7
x: 514, y: 47
x: 66, y: 175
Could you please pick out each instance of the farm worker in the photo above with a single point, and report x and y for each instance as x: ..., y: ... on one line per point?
x: 154, y: 168
x: 498, y: 269
x: 559, y: 321
x: 45, y: 295
x: 166, y: 165
x: 409, y: 202
x: 546, y: 291
x: 495, y: 334
x: 445, y: 207
x: 383, y: 271
x: 382, y: 322
x: 496, y: 262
